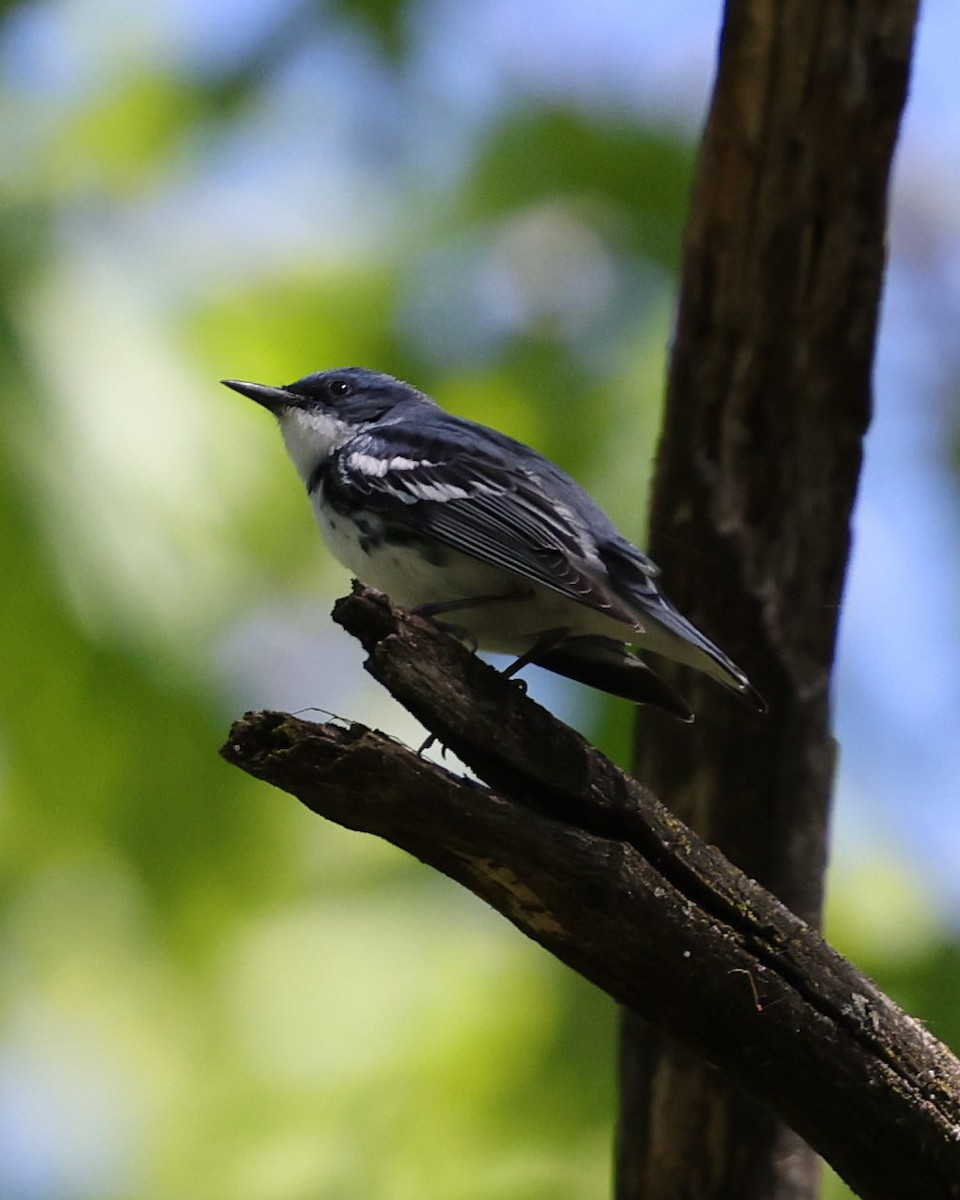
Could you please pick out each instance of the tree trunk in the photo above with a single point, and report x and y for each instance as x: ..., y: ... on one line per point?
x: 768, y: 402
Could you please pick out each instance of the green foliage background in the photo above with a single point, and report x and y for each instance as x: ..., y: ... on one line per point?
x: 206, y: 992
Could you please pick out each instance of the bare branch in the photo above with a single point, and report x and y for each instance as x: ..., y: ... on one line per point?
x: 588, y: 863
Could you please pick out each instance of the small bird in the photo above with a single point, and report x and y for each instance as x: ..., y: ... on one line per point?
x: 449, y: 517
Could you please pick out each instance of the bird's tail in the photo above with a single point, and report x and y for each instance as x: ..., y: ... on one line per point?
x: 607, y: 664
x: 670, y: 633
x: 667, y: 631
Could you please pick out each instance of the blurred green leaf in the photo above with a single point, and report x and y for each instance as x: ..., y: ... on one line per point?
x: 123, y: 138
x: 631, y: 182
x: 385, y: 20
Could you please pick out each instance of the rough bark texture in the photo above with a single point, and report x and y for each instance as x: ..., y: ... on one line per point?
x: 587, y: 862
x: 768, y: 402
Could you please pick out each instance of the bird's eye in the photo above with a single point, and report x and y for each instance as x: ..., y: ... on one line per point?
x: 340, y: 388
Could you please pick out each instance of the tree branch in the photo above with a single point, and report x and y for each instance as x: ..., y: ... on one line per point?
x: 588, y: 863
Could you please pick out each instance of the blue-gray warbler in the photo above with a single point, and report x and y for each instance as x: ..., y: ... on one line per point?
x: 449, y: 517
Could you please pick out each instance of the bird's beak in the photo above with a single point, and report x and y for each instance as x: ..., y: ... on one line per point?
x: 274, y: 398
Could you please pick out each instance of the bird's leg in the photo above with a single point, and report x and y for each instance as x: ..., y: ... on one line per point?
x: 438, y: 607
x: 427, y: 743
x: 546, y: 641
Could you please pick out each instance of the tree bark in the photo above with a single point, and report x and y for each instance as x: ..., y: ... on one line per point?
x: 586, y: 861
x: 768, y: 401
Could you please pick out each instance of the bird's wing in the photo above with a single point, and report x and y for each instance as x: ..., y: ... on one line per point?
x: 476, y: 493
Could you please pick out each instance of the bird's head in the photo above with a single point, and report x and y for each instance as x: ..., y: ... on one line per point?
x: 320, y: 412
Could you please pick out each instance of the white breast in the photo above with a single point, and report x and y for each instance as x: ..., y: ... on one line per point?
x: 412, y: 578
